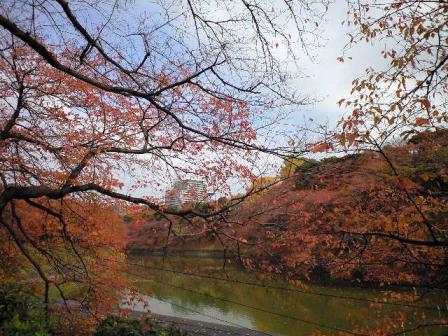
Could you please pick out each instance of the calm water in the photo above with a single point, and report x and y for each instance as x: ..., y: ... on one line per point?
x: 295, y: 313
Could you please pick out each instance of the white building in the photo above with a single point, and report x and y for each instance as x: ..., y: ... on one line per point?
x: 186, y: 191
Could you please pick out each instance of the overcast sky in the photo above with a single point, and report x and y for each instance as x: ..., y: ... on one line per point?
x: 328, y: 78
x: 325, y: 78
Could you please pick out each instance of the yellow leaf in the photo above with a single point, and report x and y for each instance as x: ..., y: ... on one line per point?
x: 388, y: 227
x: 424, y: 177
x: 341, y: 139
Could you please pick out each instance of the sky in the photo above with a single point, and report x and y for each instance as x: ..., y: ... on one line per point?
x: 328, y: 79
x: 325, y: 78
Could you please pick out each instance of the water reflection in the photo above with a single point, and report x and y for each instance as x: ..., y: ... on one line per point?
x: 295, y: 313
x: 205, y: 314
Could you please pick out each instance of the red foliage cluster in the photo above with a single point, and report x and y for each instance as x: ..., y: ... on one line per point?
x: 352, y: 218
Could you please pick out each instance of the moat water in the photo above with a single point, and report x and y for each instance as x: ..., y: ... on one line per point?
x: 274, y: 306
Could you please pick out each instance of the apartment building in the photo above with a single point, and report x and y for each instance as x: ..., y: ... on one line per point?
x: 186, y: 191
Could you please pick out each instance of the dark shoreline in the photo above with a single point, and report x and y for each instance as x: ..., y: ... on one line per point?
x: 214, y: 254
x: 316, y: 280
x: 195, y: 327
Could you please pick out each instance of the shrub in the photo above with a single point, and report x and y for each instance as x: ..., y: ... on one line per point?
x: 117, y: 326
x: 21, y: 314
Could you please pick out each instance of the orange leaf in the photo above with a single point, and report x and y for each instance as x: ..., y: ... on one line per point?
x: 321, y: 147
x: 421, y: 121
x: 425, y: 104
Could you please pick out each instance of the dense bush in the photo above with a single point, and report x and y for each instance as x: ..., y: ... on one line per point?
x: 116, y: 326
x: 21, y: 314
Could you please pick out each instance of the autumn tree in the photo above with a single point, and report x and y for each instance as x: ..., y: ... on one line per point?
x: 95, y: 91
x: 378, y: 215
x: 264, y: 182
x: 336, y: 220
x: 408, y: 97
x: 290, y: 165
x: 404, y: 102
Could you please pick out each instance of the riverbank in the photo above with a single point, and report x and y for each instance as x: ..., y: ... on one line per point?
x: 194, y: 327
x: 188, y: 327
